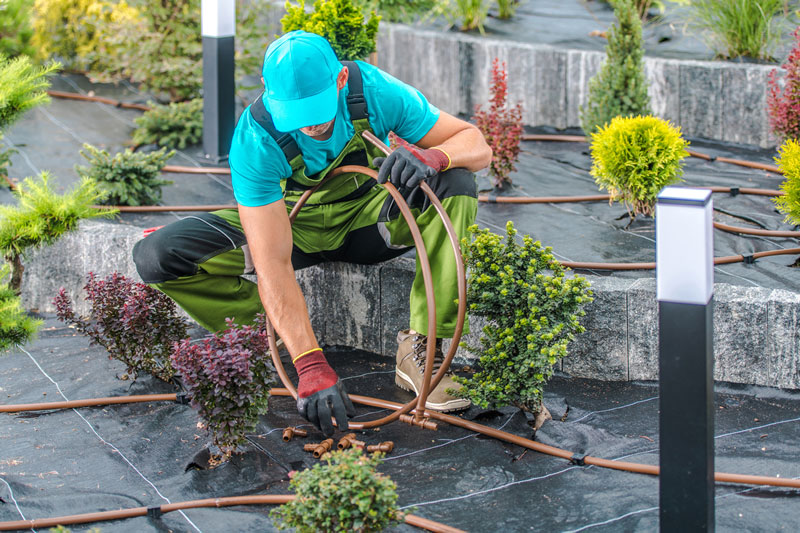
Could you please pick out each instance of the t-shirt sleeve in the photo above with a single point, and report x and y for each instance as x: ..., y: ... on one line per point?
x: 396, y: 106
x: 257, y: 164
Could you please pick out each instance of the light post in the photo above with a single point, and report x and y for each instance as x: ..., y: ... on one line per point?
x: 685, y: 285
x: 218, y: 24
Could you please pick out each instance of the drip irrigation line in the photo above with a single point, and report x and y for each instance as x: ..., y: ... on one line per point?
x: 86, y: 98
x: 755, y: 231
x: 157, y: 511
x: 195, y: 170
x: 693, y: 153
x: 165, y: 208
x: 92, y: 402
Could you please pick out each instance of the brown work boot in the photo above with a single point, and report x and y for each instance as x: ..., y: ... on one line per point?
x: 411, y: 369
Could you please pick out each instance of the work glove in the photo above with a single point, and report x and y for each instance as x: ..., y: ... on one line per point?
x: 407, y: 165
x: 320, y: 393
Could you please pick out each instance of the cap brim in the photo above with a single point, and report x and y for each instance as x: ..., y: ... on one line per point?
x: 290, y: 115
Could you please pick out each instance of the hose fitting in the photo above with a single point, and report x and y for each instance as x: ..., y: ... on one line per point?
x: 424, y: 423
x: 349, y: 441
x: 319, y: 449
x: 290, y: 432
x: 385, y: 447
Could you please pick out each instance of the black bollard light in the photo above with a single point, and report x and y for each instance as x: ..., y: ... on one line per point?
x: 218, y: 22
x: 685, y: 286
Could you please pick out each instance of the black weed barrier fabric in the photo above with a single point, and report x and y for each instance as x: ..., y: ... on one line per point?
x: 55, y: 463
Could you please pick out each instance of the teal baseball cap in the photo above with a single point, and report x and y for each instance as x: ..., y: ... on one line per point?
x: 300, y: 71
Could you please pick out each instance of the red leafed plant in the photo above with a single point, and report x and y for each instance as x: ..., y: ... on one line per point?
x: 228, y: 378
x: 135, y: 323
x: 501, y: 124
x: 783, y: 104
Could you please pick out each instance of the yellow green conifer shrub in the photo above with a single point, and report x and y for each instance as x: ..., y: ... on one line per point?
x: 788, y: 161
x: 633, y: 158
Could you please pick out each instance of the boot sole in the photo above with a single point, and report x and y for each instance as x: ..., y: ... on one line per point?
x: 458, y: 404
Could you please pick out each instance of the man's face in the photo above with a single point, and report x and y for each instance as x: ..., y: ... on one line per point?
x: 318, y: 130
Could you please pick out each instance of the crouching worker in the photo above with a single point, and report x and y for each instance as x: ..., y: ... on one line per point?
x: 307, y: 122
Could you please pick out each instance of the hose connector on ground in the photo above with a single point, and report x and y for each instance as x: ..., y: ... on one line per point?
x: 424, y: 423
x: 350, y: 441
x: 290, y: 432
x: 319, y: 449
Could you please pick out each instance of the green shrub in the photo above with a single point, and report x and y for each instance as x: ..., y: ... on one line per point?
x: 783, y: 96
x: 789, y: 162
x: 176, y: 125
x: 532, y: 310
x: 127, y: 178
x: 506, y: 8
x: 347, y: 494
x: 735, y: 28
x: 633, y: 158
x: 42, y: 217
x: 620, y: 88
x: 71, y: 30
x: 398, y: 10
x: 465, y: 14
x: 341, y: 22
x: 23, y: 86
x: 16, y: 327
x: 228, y: 378
x: 5, y: 159
x: 137, y: 324
x: 15, y: 28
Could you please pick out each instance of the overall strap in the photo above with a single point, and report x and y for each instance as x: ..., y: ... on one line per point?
x: 356, y: 105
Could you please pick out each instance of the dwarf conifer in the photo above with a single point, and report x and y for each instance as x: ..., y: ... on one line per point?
x: 620, y: 88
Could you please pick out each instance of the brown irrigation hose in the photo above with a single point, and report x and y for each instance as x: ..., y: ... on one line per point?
x: 471, y: 426
x: 164, y: 208
x: 541, y: 199
x: 91, y: 402
x: 256, y: 499
x: 693, y: 153
x: 86, y: 98
x: 195, y: 170
x: 725, y: 260
x: 755, y: 231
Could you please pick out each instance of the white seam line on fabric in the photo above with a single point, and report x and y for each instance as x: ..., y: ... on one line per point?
x: 610, y: 520
x: 452, y: 441
x: 494, y: 489
x: 613, y: 409
x: 60, y: 124
x: 213, y: 227
x: 757, y: 427
x: 58, y: 387
x: 748, y: 280
x: 11, y: 494
x: 21, y: 152
x: 368, y: 374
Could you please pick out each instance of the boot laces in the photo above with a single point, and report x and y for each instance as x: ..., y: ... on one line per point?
x: 419, y: 346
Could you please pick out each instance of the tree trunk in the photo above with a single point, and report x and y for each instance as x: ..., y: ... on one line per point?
x: 16, y: 273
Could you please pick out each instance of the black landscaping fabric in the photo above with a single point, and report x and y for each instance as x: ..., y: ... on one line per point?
x: 55, y: 463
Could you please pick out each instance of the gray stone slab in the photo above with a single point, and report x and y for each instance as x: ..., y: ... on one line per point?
x: 740, y: 334
x: 396, y: 279
x: 784, y: 339
x: 582, y: 66
x: 701, y: 99
x: 547, y: 75
x: 643, y: 330
x: 313, y: 283
x: 352, y: 305
x: 744, y: 108
x: 602, y: 351
x: 664, y: 78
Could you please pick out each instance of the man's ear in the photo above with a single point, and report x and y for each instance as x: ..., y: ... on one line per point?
x: 341, y: 79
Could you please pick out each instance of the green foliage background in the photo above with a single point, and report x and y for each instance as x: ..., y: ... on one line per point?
x: 16, y: 31
x: 16, y: 327
x: 176, y: 125
x: 620, y: 88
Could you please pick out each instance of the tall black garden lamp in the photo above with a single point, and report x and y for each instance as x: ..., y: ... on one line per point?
x: 219, y: 30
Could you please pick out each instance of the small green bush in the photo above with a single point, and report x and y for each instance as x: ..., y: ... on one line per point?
x: 633, y: 158
x: 620, y: 88
x: 506, y: 8
x: 137, y: 324
x: 788, y: 161
x: 15, y: 28
x: 740, y: 28
x: 347, y: 494
x: 341, y: 22
x: 16, y: 327
x: 398, y: 10
x: 42, y: 216
x: 464, y: 14
x: 532, y: 310
x: 23, y: 86
x: 5, y: 159
x: 127, y: 178
x: 176, y: 125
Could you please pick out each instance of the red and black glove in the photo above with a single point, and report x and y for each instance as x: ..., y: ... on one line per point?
x: 407, y: 165
x: 320, y: 394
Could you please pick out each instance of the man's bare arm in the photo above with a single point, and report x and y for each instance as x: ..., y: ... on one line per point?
x: 463, y: 142
x: 269, y: 237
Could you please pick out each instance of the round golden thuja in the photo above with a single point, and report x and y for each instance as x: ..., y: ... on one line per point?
x: 633, y: 158
x: 788, y: 161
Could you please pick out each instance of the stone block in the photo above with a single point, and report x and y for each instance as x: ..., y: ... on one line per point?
x: 663, y: 76
x: 741, y: 334
x: 546, y: 95
x: 744, y: 108
x: 395, y: 284
x: 643, y: 330
x: 784, y: 339
x: 582, y: 66
x: 313, y: 282
x: 701, y: 99
x: 601, y: 352
x: 352, y: 306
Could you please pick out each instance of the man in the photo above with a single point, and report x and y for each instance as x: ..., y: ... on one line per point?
x: 309, y: 121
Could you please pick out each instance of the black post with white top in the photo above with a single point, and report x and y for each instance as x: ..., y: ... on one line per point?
x: 218, y: 22
x: 685, y: 284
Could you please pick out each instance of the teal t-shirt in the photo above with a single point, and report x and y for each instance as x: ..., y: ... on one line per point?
x: 258, y: 164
